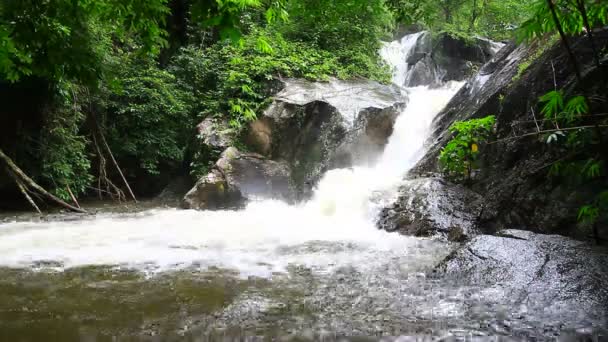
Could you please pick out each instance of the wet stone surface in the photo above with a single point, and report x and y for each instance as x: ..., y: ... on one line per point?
x: 483, y: 289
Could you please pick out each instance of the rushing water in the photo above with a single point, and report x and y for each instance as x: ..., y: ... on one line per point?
x: 318, y: 269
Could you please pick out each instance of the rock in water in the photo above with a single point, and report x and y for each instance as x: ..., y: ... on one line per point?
x: 308, y: 121
x: 239, y: 177
x: 543, y: 277
x: 430, y: 206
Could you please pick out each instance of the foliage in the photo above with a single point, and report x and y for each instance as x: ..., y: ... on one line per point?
x: 569, y: 16
x: 65, y: 162
x: 146, y: 118
x: 235, y: 79
x: 458, y: 157
x: 584, y: 166
x: 495, y: 19
x: 350, y: 30
x: 58, y: 39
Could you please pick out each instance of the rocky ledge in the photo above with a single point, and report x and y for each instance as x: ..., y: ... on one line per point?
x: 541, y: 277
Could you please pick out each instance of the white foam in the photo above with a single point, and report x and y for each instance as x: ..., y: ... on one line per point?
x: 334, y: 229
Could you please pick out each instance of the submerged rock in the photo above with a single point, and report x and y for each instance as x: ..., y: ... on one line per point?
x: 238, y: 177
x: 308, y: 121
x: 534, y: 274
x: 430, y: 206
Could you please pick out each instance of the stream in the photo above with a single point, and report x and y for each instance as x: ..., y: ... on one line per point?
x: 319, y: 270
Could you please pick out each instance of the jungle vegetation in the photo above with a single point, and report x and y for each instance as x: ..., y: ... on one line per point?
x: 102, y: 97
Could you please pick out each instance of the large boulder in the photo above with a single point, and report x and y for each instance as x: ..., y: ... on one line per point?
x: 240, y: 177
x: 513, y: 170
x: 432, y: 206
x: 308, y: 121
x: 545, y: 278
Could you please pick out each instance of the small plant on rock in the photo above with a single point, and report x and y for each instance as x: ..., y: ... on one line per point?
x: 458, y: 158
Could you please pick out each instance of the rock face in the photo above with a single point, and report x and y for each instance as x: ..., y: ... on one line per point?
x: 513, y: 175
x: 430, y: 206
x: 215, y: 133
x: 435, y: 60
x: 366, y: 140
x: 546, y: 275
x: 238, y: 177
x: 309, y: 121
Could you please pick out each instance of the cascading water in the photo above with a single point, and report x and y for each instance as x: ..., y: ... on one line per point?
x: 356, y: 275
x: 396, y: 53
x: 250, y: 241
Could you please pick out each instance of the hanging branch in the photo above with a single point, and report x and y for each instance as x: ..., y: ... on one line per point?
x: 124, y: 179
x: 72, y: 196
x: 103, y: 180
x: 27, y: 181
x: 547, y: 131
x: 23, y: 190
x: 581, y: 8
x: 560, y: 29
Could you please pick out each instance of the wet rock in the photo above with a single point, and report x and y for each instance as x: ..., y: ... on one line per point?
x: 423, y: 48
x: 366, y: 141
x: 212, y: 192
x: 215, y: 133
x: 435, y: 60
x: 238, y: 177
x: 458, y: 59
x: 424, y: 72
x: 430, y: 206
x: 308, y: 121
x: 552, y: 276
x: 176, y: 189
x: 513, y: 176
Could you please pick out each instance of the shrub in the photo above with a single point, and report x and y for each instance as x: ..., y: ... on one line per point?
x: 458, y: 157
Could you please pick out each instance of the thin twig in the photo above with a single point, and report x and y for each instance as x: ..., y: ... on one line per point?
x: 23, y: 190
x: 73, y: 197
x: 545, y: 131
x: 554, y: 76
x: 535, y: 122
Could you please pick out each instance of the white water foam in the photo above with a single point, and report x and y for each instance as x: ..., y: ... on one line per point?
x: 396, y: 53
x: 335, y: 229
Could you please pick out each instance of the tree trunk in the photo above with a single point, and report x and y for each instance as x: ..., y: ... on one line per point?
x: 564, y: 39
x: 21, y: 176
x: 23, y: 190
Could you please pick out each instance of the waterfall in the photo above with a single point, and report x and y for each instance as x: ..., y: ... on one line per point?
x: 396, y: 53
x: 335, y: 228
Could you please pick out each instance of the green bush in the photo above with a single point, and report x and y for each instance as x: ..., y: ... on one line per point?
x: 147, y: 119
x: 458, y: 157
x: 63, y: 148
x: 234, y: 80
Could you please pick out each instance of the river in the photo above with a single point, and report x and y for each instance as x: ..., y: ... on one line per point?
x: 316, y: 270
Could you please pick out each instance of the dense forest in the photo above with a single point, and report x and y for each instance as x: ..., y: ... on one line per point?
x: 92, y: 87
x: 102, y: 97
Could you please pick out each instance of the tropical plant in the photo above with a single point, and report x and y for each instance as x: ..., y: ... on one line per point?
x: 458, y: 158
